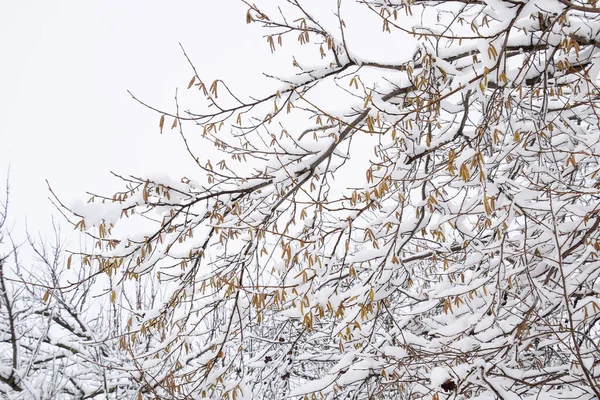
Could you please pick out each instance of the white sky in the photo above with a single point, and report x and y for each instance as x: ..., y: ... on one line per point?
x: 65, y: 114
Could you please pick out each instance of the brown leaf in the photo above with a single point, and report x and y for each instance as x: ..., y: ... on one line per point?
x: 449, y: 385
x: 192, y: 81
x: 161, y: 123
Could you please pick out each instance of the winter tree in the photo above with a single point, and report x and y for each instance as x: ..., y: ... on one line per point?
x: 422, y: 223
x: 53, y: 328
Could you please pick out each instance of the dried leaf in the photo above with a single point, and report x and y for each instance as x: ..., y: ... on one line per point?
x: 161, y: 124
x: 192, y: 81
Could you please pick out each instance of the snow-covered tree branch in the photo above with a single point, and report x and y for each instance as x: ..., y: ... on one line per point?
x: 417, y: 220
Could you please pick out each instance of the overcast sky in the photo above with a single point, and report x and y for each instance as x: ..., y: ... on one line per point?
x: 67, y: 65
